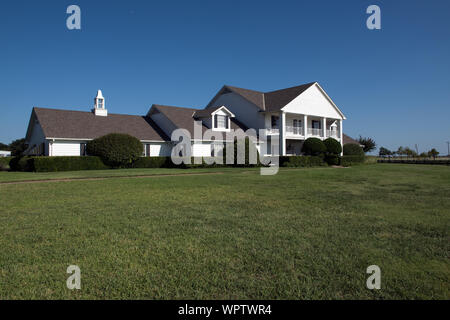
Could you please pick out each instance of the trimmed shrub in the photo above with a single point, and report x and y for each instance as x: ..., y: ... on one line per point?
x: 153, y: 162
x: 313, y: 147
x: 249, y: 147
x: 4, y: 163
x: 54, y: 164
x: 353, y: 149
x: 116, y: 149
x: 301, y: 161
x: 333, y: 159
x: 333, y: 146
x: 349, y: 160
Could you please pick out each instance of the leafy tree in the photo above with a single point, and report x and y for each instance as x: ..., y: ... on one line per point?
x: 4, y: 147
x: 384, y: 152
x: 423, y: 155
x: 400, y: 151
x: 409, y: 152
x: 433, y: 153
x: 17, y: 147
x: 368, y: 143
x: 333, y: 146
x: 313, y: 147
x: 116, y: 149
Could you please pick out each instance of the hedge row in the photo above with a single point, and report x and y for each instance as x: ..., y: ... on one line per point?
x: 302, y: 161
x: 347, y: 161
x: 54, y: 164
x: 422, y: 161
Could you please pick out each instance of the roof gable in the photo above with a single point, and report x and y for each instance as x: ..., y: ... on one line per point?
x: 183, y: 118
x: 255, y: 97
x: 314, y: 101
x: 275, y: 100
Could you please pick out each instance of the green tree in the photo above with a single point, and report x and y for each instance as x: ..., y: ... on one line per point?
x: 409, y: 152
x: 433, y: 153
x: 400, y: 151
x: 368, y: 144
x: 4, y: 147
x: 384, y: 152
x: 17, y: 147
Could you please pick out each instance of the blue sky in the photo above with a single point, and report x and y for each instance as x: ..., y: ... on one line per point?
x: 392, y: 84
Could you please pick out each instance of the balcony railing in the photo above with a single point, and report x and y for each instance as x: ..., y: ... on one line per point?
x: 273, y: 131
x: 315, y: 132
x: 332, y: 133
x: 294, y: 131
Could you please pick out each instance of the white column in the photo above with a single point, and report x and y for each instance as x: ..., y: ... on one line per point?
x: 283, y: 134
x: 324, y: 127
x: 305, y: 125
x: 341, y: 132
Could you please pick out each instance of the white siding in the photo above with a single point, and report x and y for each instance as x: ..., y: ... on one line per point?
x: 65, y: 148
x: 244, y: 111
x: 313, y: 102
x: 37, y: 137
x: 201, y: 149
x: 160, y: 150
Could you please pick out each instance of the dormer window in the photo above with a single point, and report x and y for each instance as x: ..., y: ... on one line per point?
x: 221, y: 121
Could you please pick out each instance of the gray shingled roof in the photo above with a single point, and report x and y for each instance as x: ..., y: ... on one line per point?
x: 275, y: 100
x: 205, y: 112
x: 266, y: 101
x: 346, y: 139
x: 183, y: 118
x: 70, y: 124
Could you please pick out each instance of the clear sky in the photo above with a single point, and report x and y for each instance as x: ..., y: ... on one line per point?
x: 392, y: 84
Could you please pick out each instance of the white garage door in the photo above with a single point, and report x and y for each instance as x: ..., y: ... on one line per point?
x: 65, y: 149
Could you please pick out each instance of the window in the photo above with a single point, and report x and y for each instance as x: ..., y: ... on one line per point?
x: 297, y: 124
x: 315, y: 124
x: 275, y: 121
x: 100, y: 103
x: 145, y: 150
x: 221, y: 122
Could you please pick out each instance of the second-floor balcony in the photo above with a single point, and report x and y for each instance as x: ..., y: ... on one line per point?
x: 294, y: 131
x: 315, y: 132
x: 274, y: 130
x: 333, y: 134
x: 297, y: 131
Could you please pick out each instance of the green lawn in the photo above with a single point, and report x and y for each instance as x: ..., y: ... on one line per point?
x: 34, y: 176
x: 301, y: 234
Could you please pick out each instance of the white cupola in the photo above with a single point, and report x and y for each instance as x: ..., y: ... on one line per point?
x: 99, y: 105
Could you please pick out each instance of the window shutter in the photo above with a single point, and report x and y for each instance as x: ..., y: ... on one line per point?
x: 215, y: 121
x: 147, y: 151
x: 226, y: 122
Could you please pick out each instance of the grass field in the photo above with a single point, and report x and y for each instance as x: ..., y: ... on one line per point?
x: 302, y: 234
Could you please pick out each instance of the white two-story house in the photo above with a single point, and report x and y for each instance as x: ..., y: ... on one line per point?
x: 289, y: 115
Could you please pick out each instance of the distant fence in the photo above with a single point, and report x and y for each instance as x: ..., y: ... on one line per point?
x: 416, y: 161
